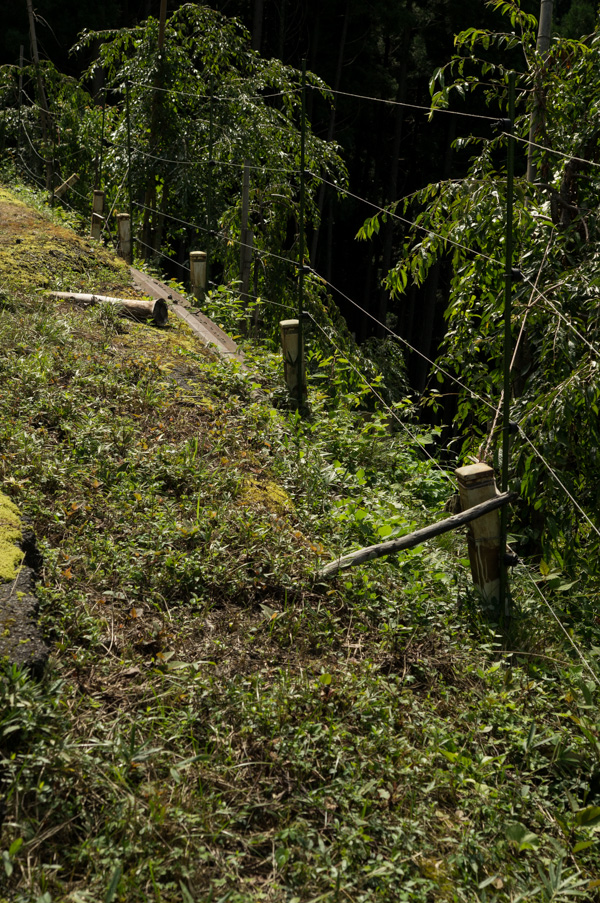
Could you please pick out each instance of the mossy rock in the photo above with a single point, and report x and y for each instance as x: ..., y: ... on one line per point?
x: 20, y: 639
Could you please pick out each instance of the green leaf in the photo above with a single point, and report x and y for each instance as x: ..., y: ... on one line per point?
x: 583, y: 845
x: 589, y: 816
x: 114, y: 884
x: 15, y: 847
x: 521, y: 836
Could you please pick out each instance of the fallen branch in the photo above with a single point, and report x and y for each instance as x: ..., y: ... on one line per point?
x: 137, y: 309
x: 414, y: 539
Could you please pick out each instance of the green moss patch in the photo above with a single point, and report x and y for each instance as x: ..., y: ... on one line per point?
x: 11, y: 555
x: 38, y: 252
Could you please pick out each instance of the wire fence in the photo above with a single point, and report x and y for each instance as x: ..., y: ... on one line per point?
x: 206, y: 158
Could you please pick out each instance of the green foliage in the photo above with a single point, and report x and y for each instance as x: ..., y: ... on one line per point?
x: 199, y: 109
x: 555, y: 383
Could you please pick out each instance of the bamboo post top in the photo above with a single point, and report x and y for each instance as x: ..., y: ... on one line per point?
x: 474, y: 473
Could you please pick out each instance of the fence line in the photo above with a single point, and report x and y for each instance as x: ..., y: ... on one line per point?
x: 412, y: 106
x: 414, y: 225
x: 404, y: 341
x: 241, y: 244
x: 551, y: 150
x: 219, y: 97
x: 557, y: 479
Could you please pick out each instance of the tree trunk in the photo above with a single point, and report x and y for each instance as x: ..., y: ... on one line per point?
x: 257, y: 24
x: 45, y: 119
x: 536, y: 122
x: 331, y: 127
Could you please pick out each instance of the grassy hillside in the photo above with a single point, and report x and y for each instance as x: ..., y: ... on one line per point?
x: 214, y: 724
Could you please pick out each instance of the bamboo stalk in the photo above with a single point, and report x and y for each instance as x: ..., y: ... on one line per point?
x: 369, y: 553
x: 136, y: 308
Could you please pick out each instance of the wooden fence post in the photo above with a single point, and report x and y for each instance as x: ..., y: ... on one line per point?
x: 97, y: 214
x: 289, y: 343
x: 124, y: 227
x: 476, y: 484
x: 198, y: 274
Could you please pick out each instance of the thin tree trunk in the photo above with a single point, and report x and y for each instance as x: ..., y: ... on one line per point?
x: 257, y: 24
x: 331, y: 126
x: 150, y: 227
x: 45, y: 112
x: 382, y: 305
x: 537, y: 118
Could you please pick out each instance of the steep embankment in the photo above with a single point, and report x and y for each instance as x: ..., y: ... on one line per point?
x: 211, y: 724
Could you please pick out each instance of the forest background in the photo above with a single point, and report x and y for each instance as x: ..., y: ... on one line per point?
x: 362, y: 50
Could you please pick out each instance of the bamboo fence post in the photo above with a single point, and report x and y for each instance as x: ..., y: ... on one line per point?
x: 124, y: 227
x: 97, y: 214
x: 293, y: 357
x: 198, y: 274
x: 476, y: 484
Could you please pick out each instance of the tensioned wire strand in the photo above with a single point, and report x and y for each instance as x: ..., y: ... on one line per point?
x: 414, y: 225
x: 323, y: 90
x: 220, y: 97
x: 551, y: 150
x: 412, y: 106
x: 408, y: 345
x: 235, y: 241
x: 557, y: 479
x: 207, y: 162
x: 562, y: 627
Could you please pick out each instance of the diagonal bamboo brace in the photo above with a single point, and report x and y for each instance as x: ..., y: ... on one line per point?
x: 414, y: 539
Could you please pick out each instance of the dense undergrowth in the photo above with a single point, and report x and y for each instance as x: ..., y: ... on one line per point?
x: 213, y: 723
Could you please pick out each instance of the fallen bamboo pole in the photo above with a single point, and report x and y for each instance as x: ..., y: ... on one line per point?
x: 137, y: 309
x: 414, y: 539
